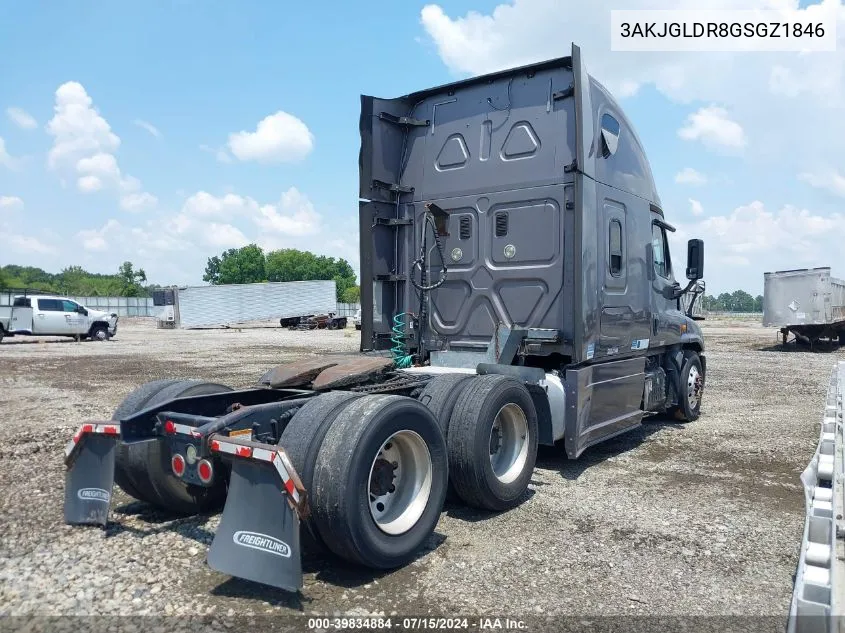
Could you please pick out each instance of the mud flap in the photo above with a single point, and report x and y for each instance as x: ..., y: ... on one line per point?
x: 89, y: 479
x: 258, y: 537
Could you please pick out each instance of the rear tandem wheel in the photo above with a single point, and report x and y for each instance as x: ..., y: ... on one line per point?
x: 143, y: 469
x: 380, y: 481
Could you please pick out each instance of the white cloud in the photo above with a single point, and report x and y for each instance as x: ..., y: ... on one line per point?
x: 89, y: 184
x: 174, y: 248
x: 220, y: 154
x: 145, y: 241
x: 751, y: 240
x: 695, y: 207
x: 204, y: 204
x: 224, y: 236
x: 138, y: 201
x: 99, y: 164
x: 714, y: 128
x: 280, y: 137
x: 97, y: 239
x: 10, y: 203
x: 6, y: 160
x: 689, y: 176
x: 77, y: 127
x: 295, y: 215
x: 24, y: 244
x: 829, y: 179
x: 149, y: 127
x: 21, y: 118
x: 84, y: 143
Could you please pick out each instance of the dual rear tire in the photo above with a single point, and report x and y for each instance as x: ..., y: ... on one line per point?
x: 143, y: 469
x: 491, y: 428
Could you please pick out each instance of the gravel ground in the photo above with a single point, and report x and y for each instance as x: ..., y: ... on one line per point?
x: 671, y: 519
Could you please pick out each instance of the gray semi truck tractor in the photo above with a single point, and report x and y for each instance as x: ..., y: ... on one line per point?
x: 517, y: 289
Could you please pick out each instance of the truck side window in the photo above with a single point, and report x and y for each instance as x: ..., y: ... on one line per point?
x: 609, y: 135
x: 660, y: 251
x: 22, y: 302
x: 69, y: 306
x: 615, y: 247
x: 50, y: 305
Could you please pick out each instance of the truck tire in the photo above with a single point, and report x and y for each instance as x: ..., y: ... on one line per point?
x: 441, y: 394
x: 134, y: 402
x: 302, y: 439
x: 690, y: 389
x: 380, y: 481
x: 147, y: 464
x: 99, y: 332
x: 493, y: 436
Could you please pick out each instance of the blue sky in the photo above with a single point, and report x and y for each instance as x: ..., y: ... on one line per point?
x: 141, y: 106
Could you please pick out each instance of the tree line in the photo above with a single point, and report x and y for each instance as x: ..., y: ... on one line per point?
x: 736, y: 301
x: 250, y: 264
x: 75, y: 281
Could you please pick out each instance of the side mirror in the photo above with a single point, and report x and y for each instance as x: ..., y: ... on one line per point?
x: 695, y: 260
x: 82, y: 310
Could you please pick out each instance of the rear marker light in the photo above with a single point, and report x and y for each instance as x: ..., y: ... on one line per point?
x: 169, y: 427
x: 205, y: 471
x: 177, y: 463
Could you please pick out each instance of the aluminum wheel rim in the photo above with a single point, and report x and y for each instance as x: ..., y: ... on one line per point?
x: 405, y: 461
x: 693, y: 386
x: 100, y: 335
x: 509, y: 443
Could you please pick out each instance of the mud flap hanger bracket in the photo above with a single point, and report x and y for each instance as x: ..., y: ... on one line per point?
x: 235, y: 448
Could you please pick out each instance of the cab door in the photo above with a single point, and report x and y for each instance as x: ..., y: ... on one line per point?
x: 667, y: 318
x: 76, y: 321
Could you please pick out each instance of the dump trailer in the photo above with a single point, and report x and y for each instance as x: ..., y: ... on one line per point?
x: 517, y: 289
x: 808, y: 303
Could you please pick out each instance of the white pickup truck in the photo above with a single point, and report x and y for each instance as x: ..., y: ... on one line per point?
x: 46, y: 315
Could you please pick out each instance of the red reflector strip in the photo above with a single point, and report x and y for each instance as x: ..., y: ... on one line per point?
x: 277, y: 458
x: 100, y: 429
x: 182, y: 429
x: 224, y: 447
x: 278, y: 462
